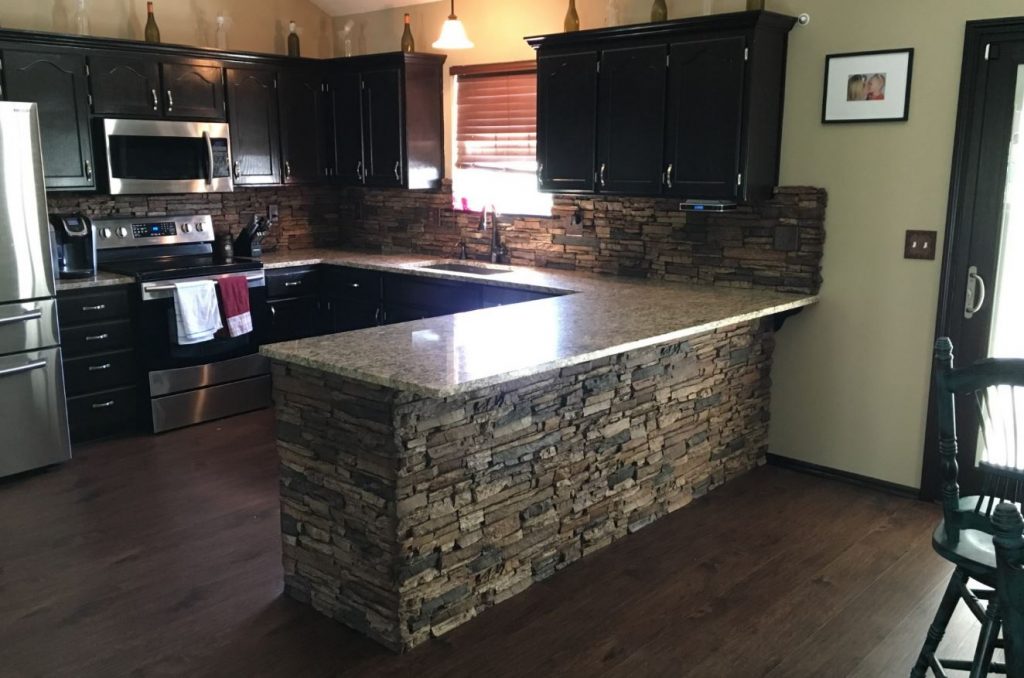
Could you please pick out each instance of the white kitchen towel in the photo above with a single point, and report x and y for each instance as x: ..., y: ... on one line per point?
x: 196, y: 311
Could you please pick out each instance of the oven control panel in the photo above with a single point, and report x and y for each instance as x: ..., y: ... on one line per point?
x: 120, y: 232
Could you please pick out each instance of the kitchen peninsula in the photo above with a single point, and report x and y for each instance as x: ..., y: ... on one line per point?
x: 434, y: 468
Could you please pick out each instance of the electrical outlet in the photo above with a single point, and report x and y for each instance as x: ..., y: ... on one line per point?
x: 273, y: 212
x: 920, y: 245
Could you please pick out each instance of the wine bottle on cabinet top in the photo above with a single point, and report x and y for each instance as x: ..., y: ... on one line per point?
x: 293, y: 40
x: 659, y: 11
x: 572, y: 18
x: 408, y: 42
x: 152, y: 30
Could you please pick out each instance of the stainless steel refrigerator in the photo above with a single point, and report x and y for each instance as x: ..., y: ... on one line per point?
x: 33, y: 412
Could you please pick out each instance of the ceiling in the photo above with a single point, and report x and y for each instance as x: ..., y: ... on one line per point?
x: 343, y: 7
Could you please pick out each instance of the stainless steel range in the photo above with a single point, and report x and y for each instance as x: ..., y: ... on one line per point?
x: 186, y: 384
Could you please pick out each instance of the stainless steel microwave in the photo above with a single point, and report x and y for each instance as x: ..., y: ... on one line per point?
x: 167, y: 156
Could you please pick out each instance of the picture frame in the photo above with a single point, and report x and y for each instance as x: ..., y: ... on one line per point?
x: 868, y: 86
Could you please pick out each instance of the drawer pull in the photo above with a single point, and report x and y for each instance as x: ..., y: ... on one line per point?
x: 98, y: 337
x: 103, y: 406
x: 22, y: 368
x: 99, y: 368
x: 98, y: 307
x: 34, y: 315
x: 355, y: 285
x: 293, y: 284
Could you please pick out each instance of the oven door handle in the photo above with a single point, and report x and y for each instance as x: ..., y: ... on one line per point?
x: 146, y: 289
x: 209, y: 158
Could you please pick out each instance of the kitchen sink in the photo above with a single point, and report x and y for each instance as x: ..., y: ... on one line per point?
x: 474, y: 269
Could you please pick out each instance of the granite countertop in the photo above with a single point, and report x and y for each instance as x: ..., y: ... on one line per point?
x: 598, y: 316
x: 101, y: 279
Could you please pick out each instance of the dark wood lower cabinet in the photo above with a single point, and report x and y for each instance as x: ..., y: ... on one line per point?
x: 294, y: 318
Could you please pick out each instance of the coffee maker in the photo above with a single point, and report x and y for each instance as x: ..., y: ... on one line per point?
x: 73, y: 245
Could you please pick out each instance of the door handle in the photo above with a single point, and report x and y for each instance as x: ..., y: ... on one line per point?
x: 99, y: 368
x: 97, y: 307
x: 102, y: 406
x: 398, y: 171
x: 975, y: 300
x: 540, y: 174
x: 98, y: 337
x: 287, y: 169
x: 294, y: 283
x: 156, y: 100
x: 170, y: 101
x: 33, y: 315
x: 237, y: 169
x: 88, y: 170
x: 668, y: 175
x: 22, y: 368
x: 359, y: 170
x: 603, y: 174
x: 209, y: 158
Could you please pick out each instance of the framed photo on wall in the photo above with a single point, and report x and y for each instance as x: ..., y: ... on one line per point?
x: 868, y: 86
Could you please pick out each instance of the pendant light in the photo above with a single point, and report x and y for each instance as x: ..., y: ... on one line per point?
x: 453, y: 34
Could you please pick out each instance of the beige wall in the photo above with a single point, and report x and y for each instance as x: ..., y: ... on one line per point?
x: 851, y: 375
x: 255, y: 25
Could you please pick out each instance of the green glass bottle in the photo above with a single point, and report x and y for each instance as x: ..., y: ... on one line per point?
x: 152, y: 30
x: 572, y: 18
x: 408, y: 42
x: 293, y: 40
x: 659, y: 12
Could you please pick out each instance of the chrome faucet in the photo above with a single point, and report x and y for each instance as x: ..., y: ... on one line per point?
x: 498, y: 249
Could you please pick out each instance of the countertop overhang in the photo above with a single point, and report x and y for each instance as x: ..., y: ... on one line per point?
x: 596, y: 316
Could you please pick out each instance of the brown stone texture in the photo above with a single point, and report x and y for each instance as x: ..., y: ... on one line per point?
x: 405, y: 516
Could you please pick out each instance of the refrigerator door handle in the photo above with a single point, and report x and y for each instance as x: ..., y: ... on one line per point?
x: 10, y: 371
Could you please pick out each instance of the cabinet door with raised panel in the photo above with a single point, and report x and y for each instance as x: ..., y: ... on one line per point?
x: 631, y: 120
x: 304, y: 126
x: 707, y: 79
x: 124, y: 86
x: 346, y: 111
x: 193, y: 91
x: 567, y: 121
x: 383, y: 128
x: 57, y: 83
x: 252, y: 115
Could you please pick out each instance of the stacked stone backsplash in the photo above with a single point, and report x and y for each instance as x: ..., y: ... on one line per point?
x: 310, y: 216
x: 777, y: 244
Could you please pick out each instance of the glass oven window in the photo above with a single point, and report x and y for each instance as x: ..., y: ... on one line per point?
x: 157, y: 158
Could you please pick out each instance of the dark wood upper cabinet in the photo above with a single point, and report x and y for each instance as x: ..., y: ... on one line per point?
x: 305, y: 142
x: 567, y: 121
x: 57, y: 83
x: 124, y: 86
x: 631, y: 115
x: 707, y: 81
x: 193, y: 91
x: 253, y: 117
x: 383, y: 128
x: 689, y: 108
x: 346, y: 112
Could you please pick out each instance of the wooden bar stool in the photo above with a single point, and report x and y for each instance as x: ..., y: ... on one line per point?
x: 1009, y: 541
x: 964, y: 536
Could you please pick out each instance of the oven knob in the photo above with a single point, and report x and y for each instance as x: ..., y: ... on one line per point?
x: 199, y: 227
x: 122, y: 232
x: 105, y: 233
x: 185, y: 228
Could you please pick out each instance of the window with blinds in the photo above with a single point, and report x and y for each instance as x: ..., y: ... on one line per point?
x: 495, y: 129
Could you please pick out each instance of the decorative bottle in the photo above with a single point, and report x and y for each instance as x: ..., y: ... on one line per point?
x: 659, y: 11
x: 408, y: 42
x: 293, y: 40
x: 612, y: 13
x: 572, y: 18
x: 221, y: 36
x: 152, y: 30
x: 81, y: 19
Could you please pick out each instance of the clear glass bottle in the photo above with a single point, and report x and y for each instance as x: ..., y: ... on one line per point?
x: 612, y: 13
x: 81, y: 19
x: 572, y: 18
x: 408, y: 42
x: 293, y: 40
x: 659, y: 11
x: 221, y: 35
x: 152, y: 30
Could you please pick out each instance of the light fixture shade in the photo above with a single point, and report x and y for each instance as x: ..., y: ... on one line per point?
x: 453, y: 35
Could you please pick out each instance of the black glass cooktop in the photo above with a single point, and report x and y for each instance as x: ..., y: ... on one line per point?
x: 169, y: 268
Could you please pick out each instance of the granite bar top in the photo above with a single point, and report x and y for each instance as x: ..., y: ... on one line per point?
x: 101, y: 279
x: 598, y: 316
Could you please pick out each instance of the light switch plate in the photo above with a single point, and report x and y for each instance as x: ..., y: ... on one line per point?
x: 920, y: 245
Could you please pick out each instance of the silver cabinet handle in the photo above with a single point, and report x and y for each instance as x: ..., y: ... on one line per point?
x: 170, y: 101
x: 287, y: 169
x: 975, y: 300
x: 10, y: 371
x: 98, y: 307
x: 88, y: 170
x: 293, y: 284
x: 98, y: 337
x: 237, y: 169
x: 33, y: 315
x: 355, y: 285
x: 540, y: 174
x: 99, y: 368
x: 668, y: 175
x: 359, y: 170
x: 603, y: 174
x: 398, y: 171
x: 156, y: 100
x: 101, y: 406
x: 273, y: 311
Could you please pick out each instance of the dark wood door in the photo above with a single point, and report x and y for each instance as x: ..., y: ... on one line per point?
x: 124, y: 86
x: 252, y: 114
x: 193, y: 91
x: 346, y: 113
x: 567, y: 122
x: 57, y: 83
x: 290, y: 319
x: 631, y: 120
x: 383, y: 128
x: 705, y: 117
x: 305, y: 150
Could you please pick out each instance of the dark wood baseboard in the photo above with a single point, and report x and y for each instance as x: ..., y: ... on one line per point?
x: 845, y: 476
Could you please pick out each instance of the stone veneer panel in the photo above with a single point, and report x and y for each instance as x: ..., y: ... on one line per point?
x: 405, y: 516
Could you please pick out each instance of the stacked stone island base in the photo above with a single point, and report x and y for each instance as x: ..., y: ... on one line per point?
x: 405, y: 516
